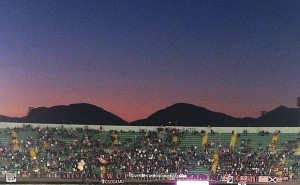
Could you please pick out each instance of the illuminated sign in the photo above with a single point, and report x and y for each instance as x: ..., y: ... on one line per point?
x: 192, y: 183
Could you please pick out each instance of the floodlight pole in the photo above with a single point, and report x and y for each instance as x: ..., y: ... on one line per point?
x: 298, y: 104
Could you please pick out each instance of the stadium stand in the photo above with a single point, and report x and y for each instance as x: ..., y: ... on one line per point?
x: 34, y: 151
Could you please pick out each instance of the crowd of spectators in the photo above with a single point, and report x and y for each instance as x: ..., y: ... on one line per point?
x: 36, y: 151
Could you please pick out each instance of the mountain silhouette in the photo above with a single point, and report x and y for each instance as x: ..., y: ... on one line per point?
x: 179, y: 114
x: 81, y: 113
x: 191, y: 115
x: 8, y: 119
x: 280, y: 117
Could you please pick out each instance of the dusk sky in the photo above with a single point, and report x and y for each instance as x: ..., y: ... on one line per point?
x: 135, y: 57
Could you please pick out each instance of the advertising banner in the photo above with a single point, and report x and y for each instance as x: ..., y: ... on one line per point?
x: 263, y: 179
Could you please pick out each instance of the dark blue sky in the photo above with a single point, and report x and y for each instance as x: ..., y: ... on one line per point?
x: 135, y: 57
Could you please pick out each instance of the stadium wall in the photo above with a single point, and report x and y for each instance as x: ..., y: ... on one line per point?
x: 137, y: 128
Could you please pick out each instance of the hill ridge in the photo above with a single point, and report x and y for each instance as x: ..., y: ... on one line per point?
x: 178, y: 114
